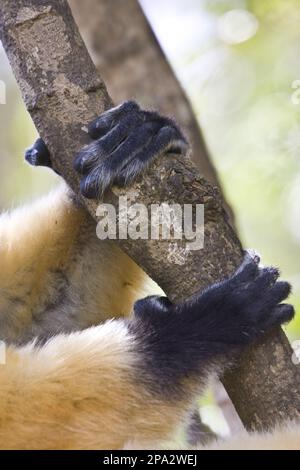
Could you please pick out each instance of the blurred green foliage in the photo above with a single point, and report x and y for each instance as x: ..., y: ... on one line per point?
x: 19, y: 182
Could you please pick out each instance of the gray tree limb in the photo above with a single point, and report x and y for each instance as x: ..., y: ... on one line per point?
x: 125, y: 50
x: 63, y: 92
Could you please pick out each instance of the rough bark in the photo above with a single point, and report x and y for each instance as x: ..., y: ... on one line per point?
x: 63, y: 92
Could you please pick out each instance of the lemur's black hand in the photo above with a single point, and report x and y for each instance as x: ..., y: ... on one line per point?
x: 219, y: 321
x: 126, y: 139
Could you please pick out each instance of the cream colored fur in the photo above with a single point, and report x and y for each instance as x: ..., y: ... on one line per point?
x: 79, y: 392
x: 56, y: 276
x: 80, y: 389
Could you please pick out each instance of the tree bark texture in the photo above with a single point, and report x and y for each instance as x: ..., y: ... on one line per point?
x: 63, y: 92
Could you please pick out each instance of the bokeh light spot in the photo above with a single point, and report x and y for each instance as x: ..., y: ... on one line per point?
x: 237, y: 26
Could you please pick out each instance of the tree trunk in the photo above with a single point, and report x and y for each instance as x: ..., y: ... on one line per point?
x: 124, y: 48
x: 63, y: 92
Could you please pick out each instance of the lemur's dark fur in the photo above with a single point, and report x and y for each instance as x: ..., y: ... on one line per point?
x: 130, y: 379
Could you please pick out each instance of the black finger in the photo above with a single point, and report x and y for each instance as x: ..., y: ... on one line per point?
x: 38, y: 154
x: 166, y: 140
x: 247, y: 271
x: 107, y: 171
x: 265, y: 279
x: 102, y: 124
x: 279, y: 292
x: 92, y: 154
x: 281, y: 314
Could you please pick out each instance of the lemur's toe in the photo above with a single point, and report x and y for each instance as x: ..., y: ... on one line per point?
x: 266, y: 278
x: 276, y: 317
x: 38, y: 154
x: 280, y: 291
x: 251, y: 254
x: 90, y: 187
x: 247, y: 271
x: 265, y: 309
x: 104, y: 160
x: 109, y: 149
x: 103, y: 123
x: 283, y: 313
x: 265, y: 292
x: 88, y: 157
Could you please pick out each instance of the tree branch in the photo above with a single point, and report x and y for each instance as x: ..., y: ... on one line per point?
x: 63, y: 92
x: 124, y: 48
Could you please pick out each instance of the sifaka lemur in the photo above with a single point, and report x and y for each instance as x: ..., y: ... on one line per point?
x: 81, y: 371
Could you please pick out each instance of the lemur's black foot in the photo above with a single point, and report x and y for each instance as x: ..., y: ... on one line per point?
x: 126, y: 139
x: 219, y: 321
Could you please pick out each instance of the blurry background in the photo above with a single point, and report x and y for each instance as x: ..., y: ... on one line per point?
x: 238, y: 61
